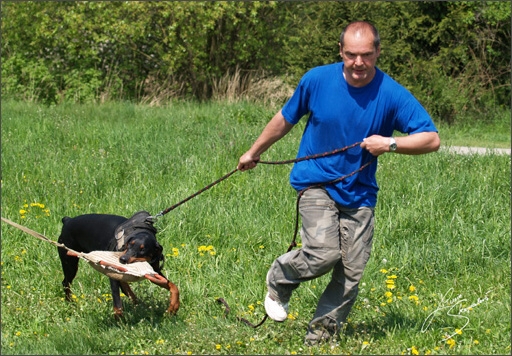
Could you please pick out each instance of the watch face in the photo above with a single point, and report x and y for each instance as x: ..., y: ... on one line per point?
x: 392, y: 147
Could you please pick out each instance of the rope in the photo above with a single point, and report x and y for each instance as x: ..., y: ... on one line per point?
x: 224, y: 177
x: 35, y: 234
x: 165, y: 211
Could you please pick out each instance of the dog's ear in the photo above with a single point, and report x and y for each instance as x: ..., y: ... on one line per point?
x: 125, y: 244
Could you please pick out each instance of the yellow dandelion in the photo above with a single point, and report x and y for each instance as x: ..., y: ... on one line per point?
x: 414, y: 298
x: 218, y: 346
x: 458, y: 331
x: 366, y: 343
x: 383, y: 270
x: 414, y: 350
x: 451, y: 343
x: 388, y: 294
x: 476, y: 342
x: 393, y: 276
x: 251, y: 307
x: 412, y: 288
x: 18, y: 333
x: 23, y: 211
x: 262, y: 247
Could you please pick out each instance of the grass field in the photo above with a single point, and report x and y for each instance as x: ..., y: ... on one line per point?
x: 438, y: 281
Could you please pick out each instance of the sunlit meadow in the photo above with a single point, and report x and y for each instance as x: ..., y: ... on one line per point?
x: 438, y: 281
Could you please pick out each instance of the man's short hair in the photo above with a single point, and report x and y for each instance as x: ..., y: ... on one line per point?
x: 363, y: 26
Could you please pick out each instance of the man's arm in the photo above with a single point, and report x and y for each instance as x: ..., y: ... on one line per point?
x: 415, y: 144
x: 275, y: 130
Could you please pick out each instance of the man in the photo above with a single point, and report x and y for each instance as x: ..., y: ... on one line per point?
x: 347, y: 102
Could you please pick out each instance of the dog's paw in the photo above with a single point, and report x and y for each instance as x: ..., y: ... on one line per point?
x: 118, y: 314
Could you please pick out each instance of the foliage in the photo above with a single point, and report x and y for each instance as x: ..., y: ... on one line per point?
x: 454, y: 56
x: 116, y: 50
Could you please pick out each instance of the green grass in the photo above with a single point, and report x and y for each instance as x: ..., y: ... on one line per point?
x: 488, y: 132
x: 442, y: 236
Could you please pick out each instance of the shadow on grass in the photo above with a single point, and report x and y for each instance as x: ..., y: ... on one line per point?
x: 150, y: 312
x: 380, y: 328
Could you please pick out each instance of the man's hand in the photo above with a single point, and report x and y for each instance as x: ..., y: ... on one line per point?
x: 376, y: 144
x: 247, y: 161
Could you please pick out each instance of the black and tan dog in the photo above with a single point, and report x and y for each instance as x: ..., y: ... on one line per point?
x: 102, y: 232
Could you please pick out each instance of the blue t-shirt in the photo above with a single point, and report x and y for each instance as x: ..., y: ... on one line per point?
x: 341, y: 115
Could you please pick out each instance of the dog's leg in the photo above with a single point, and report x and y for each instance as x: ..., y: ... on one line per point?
x: 70, y: 268
x: 116, y: 298
x: 125, y: 287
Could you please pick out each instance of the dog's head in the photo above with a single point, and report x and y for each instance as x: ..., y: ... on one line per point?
x: 142, y: 247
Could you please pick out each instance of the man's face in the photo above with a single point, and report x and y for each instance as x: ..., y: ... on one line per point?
x: 359, y: 56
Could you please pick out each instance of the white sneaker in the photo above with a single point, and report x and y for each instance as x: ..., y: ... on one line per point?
x: 275, y: 310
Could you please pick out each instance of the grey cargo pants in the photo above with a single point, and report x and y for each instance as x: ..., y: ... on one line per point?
x: 334, y: 239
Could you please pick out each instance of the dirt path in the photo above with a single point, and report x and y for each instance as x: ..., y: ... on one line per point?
x: 475, y: 150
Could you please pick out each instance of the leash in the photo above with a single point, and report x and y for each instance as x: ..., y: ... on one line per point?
x: 299, y: 195
x: 165, y: 211
x: 226, y: 176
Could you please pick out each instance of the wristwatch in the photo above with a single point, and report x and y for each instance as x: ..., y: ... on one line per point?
x: 392, y: 144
